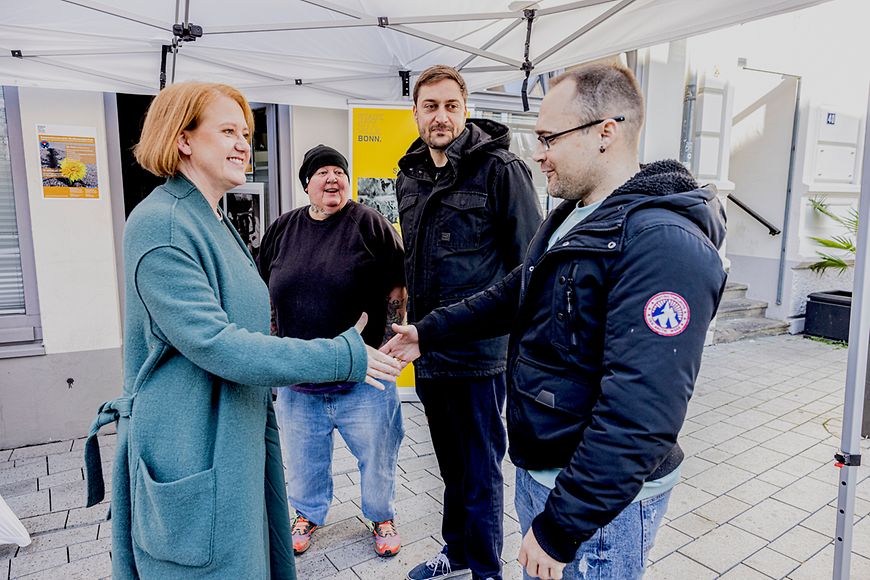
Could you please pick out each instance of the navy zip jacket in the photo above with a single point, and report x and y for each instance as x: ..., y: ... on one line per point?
x: 464, y: 226
x: 606, y: 334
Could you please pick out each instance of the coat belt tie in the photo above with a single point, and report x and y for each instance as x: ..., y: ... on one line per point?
x: 109, y: 412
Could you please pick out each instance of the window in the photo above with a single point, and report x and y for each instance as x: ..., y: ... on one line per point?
x: 20, y: 330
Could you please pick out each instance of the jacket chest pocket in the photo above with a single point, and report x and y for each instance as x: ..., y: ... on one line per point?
x: 409, y: 209
x: 462, y: 218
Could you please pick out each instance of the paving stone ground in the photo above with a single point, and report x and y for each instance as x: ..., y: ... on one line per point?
x: 757, y: 498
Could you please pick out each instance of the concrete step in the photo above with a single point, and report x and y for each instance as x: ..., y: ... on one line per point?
x: 734, y: 290
x: 741, y: 308
x: 740, y: 328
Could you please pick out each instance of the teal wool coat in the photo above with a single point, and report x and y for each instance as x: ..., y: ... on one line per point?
x: 198, y: 485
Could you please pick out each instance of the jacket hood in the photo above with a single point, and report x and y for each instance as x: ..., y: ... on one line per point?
x: 479, y: 135
x: 669, y: 185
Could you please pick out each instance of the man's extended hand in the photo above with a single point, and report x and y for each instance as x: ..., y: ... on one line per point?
x: 405, y: 345
x: 380, y: 367
x: 536, y: 561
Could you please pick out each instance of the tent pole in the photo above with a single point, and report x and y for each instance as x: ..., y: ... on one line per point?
x: 584, y: 29
x: 856, y: 375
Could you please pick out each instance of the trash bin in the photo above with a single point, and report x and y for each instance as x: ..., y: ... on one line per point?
x: 828, y: 314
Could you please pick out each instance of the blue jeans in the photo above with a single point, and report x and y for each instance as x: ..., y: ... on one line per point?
x: 469, y: 438
x: 618, y: 551
x: 370, y: 422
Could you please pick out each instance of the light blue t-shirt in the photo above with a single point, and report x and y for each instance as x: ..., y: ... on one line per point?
x: 547, y: 477
x: 580, y: 213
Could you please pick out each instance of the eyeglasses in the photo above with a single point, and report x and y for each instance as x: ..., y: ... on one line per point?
x: 547, y: 140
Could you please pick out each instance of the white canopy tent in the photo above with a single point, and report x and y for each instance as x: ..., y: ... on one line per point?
x: 324, y: 52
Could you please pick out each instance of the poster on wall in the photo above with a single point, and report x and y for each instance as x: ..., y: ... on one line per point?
x: 68, y: 162
x: 379, y: 136
x: 245, y: 207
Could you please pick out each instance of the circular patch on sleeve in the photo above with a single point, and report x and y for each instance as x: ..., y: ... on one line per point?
x: 667, y: 313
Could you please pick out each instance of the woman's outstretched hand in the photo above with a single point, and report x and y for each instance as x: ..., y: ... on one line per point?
x: 405, y: 345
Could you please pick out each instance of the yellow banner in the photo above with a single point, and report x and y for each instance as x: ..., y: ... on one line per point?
x: 380, y: 136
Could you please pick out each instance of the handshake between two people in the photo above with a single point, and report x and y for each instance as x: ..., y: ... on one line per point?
x: 386, y: 364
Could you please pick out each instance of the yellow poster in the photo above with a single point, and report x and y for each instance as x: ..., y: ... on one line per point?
x: 68, y: 159
x: 380, y: 136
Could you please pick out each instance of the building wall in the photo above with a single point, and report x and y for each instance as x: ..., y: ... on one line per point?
x: 74, y: 253
x: 313, y: 126
x: 826, y: 46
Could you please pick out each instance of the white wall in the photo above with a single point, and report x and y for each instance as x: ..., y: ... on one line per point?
x: 664, y: 76
x: 72, y: 238
x: 310, y: 127
x: 827, y: 46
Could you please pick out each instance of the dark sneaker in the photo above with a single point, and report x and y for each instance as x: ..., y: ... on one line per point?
x: 302, y: 530
x: 438, y: 568
x: 387, y: 540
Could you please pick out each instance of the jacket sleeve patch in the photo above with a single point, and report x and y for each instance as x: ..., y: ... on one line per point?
x: 667, y: 313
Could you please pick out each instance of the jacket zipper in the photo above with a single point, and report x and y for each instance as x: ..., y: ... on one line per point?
x: 569, y: 294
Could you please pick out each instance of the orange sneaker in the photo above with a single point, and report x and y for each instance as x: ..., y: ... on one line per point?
x: 387, y: 540
x: 302, y: 530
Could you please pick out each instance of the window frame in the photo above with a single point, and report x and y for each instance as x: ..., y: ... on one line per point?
x: 16, y: 329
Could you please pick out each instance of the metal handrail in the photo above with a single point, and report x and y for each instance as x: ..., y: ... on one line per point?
x: 771, y: 229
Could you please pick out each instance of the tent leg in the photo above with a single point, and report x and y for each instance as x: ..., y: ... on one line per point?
x: 856, y: 375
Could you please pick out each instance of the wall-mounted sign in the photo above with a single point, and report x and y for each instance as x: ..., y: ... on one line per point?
x: 68, y: 160
x: 379, y: 136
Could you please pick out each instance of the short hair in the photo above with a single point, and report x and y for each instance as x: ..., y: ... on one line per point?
x: 606, y: 90
x: 178, y: 108
x: 436, y: 74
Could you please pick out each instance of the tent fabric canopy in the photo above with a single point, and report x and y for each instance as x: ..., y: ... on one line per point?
x: 324, y: 52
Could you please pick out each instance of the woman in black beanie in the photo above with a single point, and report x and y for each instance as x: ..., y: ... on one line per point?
x: 325, y: 263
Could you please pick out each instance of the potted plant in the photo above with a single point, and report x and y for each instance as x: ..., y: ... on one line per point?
x: 827, y: 313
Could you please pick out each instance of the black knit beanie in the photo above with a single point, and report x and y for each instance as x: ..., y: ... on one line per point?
x: 318, y: 157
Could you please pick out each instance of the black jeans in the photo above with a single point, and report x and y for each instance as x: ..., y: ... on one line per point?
x: 469, y: 438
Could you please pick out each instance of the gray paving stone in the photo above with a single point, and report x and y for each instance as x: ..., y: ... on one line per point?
x: 686, y: 498
x: 19, y: 487
x: 44, y: 523
x: 790, y: 443
x: 67, y: 461
x: 723, y: 548
x: 667, y: 541
x: 69, y: 476
x: 821, y: 565
x: 314, y: 566
x: 97, y: 566
x: 30, y: 563
x: 800, y: 543
x: 693, y: 525
x: 398, y: 566
x: 678, y: 567
x: 18, y: 473
x: 741, y: 572
x: 754, y: 491
x: 85, y: 549
x: 722, y: 509
x: 758, y: 459
x: 82, y: 516
x: 60, y: 538
x: 29, y: 504
x: 808, y: 493
x: 42, y: 450
x: 770, y: 519
x: 720, y: 479
x: 66, y: 496
x: 772, y: 563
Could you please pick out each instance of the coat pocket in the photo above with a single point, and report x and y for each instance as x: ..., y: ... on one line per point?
x: 174, y: 521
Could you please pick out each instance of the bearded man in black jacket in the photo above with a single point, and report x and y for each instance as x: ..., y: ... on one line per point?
x: 468, y: 209
x: 607, y: 319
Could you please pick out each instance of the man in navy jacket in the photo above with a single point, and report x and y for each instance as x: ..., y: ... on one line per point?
x: 607, y: 319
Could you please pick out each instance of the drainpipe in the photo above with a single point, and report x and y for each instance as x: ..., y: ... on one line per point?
x: 741, y: 62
